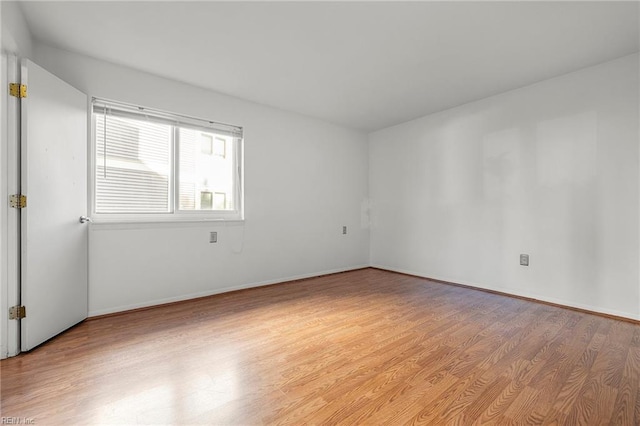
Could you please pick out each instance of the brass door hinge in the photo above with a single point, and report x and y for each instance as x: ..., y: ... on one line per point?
x: 17, y: 312
x: 18, y: 90
x: 18, y: 201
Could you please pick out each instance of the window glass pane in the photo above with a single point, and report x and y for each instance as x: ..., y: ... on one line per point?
x: 206, y: 144
x: 220, y: 201
x: 133, y: 165
x: 206, y: 200
x: 220, y: 147
x: 206, y: 171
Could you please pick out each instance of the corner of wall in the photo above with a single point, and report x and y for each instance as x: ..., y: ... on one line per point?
x: 16, y: 37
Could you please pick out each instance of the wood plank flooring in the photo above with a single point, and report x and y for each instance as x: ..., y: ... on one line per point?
x: 366, y: 347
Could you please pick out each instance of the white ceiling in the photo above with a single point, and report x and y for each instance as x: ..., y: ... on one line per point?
x: 365, y: 65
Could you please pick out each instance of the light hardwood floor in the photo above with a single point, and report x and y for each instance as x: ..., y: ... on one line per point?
x: 363, y: 347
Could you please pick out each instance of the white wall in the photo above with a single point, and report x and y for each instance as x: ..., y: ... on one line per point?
x: 304, y: 180
x: 550, y: 170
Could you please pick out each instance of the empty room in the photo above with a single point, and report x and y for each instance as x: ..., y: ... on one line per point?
x: 330, y: 212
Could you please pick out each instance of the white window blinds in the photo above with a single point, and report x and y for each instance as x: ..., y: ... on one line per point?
x: 133, y: 167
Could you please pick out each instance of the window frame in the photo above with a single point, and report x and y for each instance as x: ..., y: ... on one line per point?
x: 176, y: 214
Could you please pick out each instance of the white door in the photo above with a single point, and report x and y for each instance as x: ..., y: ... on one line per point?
x: 54, y: 179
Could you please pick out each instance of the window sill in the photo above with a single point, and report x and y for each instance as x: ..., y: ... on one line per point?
x: 124, y: 223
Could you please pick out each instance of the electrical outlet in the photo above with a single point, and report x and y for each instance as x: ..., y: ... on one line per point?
x: 344, y: 230
x: 213, y: 237
x: 524, y: 259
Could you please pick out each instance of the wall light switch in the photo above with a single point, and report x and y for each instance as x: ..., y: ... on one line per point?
x: 524, y: 259
x: 344, y: 230
x: 213, y: 237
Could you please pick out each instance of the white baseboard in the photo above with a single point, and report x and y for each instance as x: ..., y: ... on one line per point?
x: 155, y: 302
x: 529, y: 295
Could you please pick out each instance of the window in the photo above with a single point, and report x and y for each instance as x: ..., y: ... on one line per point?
x: 152, y: 165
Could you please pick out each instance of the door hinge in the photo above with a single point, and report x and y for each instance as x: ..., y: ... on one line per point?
x: 18, y: 201
x: 18, y: 90
x: 17, y: 312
